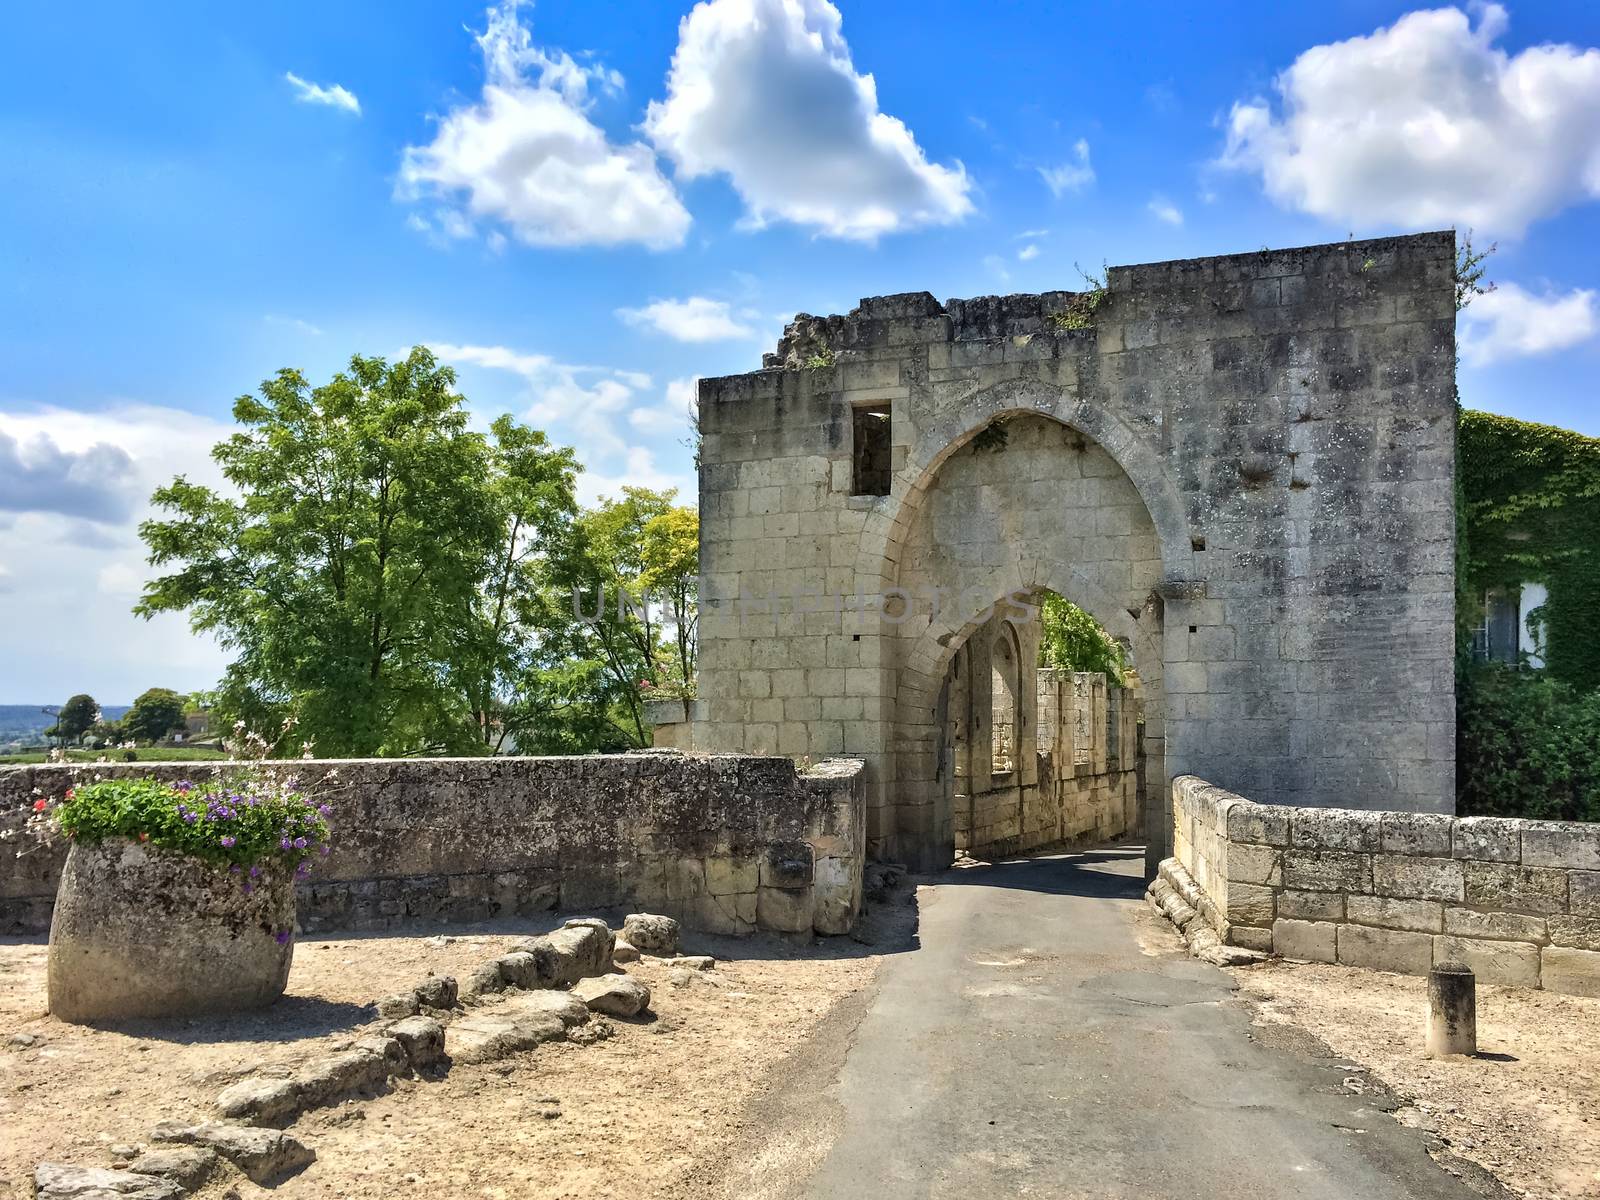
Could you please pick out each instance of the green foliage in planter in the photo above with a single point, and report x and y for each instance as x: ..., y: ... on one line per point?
x: 1527, y: 745
x: 241, y: 822
x: 1530, y: 512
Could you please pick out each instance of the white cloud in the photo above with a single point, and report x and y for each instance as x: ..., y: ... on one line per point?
x: 1071, y: 176
x: 695, y: 319
x: 332, y: 95
x: 1163, y: 209
x: 592, y: 409
x: 65, y: 619
x: 997, y: 267
x: 8, y: 581
x: 1427, y: 123
x: 765, y: 92
x: 1509, y: 322
x: 1028, y: 253
x: 674, y: 416
x: 527, y: 156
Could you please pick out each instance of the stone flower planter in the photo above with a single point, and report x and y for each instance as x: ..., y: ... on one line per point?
x: 141, y: 931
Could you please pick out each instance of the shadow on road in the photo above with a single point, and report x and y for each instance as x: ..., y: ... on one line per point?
x: 1103, y: 872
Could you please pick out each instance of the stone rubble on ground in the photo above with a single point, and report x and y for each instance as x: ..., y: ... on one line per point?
x: 651, y: 934
x: 186, y: 1166
x: 618, y: 995
x: 58, y: 1181
x: 262, y: 1154
x: 1176, y: 896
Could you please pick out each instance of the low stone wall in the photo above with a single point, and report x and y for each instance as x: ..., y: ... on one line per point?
x: 1517, y: 901
x: 725, y: 843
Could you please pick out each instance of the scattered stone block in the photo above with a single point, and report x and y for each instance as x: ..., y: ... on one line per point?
x: 260, y: 1098
x: 489, y: 1035
x: 422, y: 1039
x: 264, y: 1155
x: 186, y: 1166
x: 59, y: 1181
x: 616, y: 995
x: 485, y: 980
x: 624, y: 951
x: 326, y: 1080
x: 401, y: 1004
x: 650, y: 933
x: 520, y: 969
x: 695, y: 962
x: 437, y: 991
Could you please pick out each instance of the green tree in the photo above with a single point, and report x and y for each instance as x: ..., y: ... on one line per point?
x: 77, y: 716
x: 1074, y: 641
x: 155, y: 714
x: 669, y: 553
x: 372, y: 571
x: 603, y: 650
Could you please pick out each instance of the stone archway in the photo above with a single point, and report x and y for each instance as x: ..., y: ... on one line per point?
x: 1038, y: 504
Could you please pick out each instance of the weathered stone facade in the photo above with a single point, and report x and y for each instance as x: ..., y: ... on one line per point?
x: 1242, y: 466
x: 726, y: 843
x: 1517, y: 901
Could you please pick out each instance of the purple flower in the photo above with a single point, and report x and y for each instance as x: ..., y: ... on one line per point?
x: 254, y: 871
x: 299, y: 843
x: 285, y: 843
x: 283, y: 937
x: 229, y: 840
x: 325, y: 809
x: 303, y: 869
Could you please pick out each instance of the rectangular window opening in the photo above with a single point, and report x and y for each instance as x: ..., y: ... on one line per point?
x: 870, y: 447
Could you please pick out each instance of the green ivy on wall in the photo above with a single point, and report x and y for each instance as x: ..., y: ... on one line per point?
x: 1530, y: 513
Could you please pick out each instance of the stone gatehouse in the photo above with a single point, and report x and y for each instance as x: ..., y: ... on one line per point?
x: 1242, y: 466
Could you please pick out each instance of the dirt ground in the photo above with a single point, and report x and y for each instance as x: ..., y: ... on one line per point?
x: 1527, y: 1109
x: 643, y: 1113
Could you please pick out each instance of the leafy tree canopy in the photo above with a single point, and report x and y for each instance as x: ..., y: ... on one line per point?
x: 373, y: 567
x: 77, y: 716
x: 1074, y: 641
x: 155, y: 713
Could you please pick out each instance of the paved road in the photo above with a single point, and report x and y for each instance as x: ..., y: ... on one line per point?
x: 1029, y: 1047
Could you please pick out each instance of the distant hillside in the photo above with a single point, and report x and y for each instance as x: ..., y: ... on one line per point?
x: 26, y: 723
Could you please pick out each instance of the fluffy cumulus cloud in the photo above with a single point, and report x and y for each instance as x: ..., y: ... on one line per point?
x: 1428, y: 123
x: 1071, y: 176
x: 1510, y: 322
x: 695, y: 319
x: 592, y: 409
x: 333, y: 95
x: 527, y: 156
x: 765, y: 92
x: 38, y: 474
x: 74, y: 557
x: 675, y: 415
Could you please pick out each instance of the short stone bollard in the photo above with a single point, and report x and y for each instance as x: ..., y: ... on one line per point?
x: 1452, y: 1010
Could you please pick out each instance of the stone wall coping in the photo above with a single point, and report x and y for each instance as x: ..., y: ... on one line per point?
x: 1199, y: 793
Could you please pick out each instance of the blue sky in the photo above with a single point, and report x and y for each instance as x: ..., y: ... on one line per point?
x: 557, y: 196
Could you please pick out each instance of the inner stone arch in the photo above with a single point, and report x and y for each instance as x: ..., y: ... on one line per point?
x: 1027, y: 503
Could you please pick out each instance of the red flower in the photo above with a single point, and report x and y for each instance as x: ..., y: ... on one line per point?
x: 144, y: 837
x: 40, y: 804
x: 69, y: 792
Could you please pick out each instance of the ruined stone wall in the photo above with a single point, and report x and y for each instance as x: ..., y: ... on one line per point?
x: 1517, y: 901
x: 728, y: 844
x: 1254, y: 488
x: 1082, y: 786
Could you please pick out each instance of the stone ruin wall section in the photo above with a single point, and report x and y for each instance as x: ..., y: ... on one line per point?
x: 1287, y: 419
x: 726, y: 843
